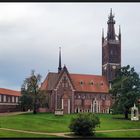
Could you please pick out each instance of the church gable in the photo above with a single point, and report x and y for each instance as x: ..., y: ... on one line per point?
x: 64, y: 80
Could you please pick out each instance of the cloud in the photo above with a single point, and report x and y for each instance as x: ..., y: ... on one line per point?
x: 31, y: 33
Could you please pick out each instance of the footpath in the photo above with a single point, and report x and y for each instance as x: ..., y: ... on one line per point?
x: 12, y: 113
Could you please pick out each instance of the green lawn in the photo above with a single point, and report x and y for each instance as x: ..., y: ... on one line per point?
x: 111, y: 122
x: 9, y: 134
x: 46, y: 122
x: 126, y: 134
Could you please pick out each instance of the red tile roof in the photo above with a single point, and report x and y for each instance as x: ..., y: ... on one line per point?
x: 100, y: 84
x: 10, y: 92
x: 49, y: 81
x: 90, y: 83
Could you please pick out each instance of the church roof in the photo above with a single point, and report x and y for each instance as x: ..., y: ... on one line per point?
x: 50, y: 81
x: 90, y: 83
x: 9, y: 92
x: 81, y: 82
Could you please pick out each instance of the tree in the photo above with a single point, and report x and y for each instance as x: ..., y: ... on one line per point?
x: 25, y: 100
x: 84, y: 124
x: 125, y: 90
x: 43, y: 99
x: 30, y: 91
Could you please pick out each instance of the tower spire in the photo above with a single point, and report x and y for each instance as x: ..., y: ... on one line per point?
x: 59, y: 67
x: 111, y: 12
x: 111, y: 30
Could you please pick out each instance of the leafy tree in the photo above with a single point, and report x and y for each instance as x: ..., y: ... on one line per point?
x: 26, y: 101
x: 84, y: 124
x: 125, y: 90
x: 30, y: 91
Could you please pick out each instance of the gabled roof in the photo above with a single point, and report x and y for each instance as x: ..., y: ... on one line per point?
x: 9, y: 92
x: 99, y: 83
x: 49, y: 81
x: 90, y: 83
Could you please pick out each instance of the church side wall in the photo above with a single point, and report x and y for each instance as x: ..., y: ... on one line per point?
x: 92, y: 102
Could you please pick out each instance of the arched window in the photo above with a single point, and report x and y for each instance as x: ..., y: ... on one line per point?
x: 95, y: 107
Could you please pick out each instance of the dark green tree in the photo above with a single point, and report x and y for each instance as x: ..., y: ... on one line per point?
x: 84, y: 124
x: 43, y: 99
x: 25, y: 101
x: 30, y: 90
x: 125, y: 90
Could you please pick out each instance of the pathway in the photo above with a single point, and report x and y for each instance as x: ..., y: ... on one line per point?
x: 12, y: 113
x: 67, y: 134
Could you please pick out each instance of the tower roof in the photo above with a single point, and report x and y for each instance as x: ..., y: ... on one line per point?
x: 111, y: 29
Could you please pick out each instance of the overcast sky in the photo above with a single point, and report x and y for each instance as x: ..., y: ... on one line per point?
x: 31, y: 34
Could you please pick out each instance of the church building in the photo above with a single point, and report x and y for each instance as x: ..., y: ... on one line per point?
x: 73, y: 93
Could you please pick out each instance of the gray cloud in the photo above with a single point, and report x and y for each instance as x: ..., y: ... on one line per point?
x: 31, y: 33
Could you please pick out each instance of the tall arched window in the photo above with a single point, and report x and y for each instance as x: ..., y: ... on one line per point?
x: 95, y: 106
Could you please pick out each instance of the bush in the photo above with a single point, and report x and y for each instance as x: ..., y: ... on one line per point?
x: 84, y: 124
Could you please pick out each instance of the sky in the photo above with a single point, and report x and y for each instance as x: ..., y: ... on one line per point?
x: 31, y: 34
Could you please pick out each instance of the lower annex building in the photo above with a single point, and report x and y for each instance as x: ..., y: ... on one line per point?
x: 73, y: 93
x: 9, y: 100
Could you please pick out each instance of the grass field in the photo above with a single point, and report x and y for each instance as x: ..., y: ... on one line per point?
x: 45, y: 122
x: 126, y: 134
x: 9, y: 134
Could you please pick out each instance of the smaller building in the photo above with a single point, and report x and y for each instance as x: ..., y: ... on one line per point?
x: 9, y: 100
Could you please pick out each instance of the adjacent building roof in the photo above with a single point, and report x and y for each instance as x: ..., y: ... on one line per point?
x: 9, y: 92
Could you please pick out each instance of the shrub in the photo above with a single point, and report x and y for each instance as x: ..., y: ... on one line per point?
x: 84, y: 124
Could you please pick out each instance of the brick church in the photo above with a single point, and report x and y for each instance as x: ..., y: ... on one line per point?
x: 73, y: 93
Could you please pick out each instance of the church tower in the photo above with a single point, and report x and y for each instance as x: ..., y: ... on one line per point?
x: 111, y: 50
